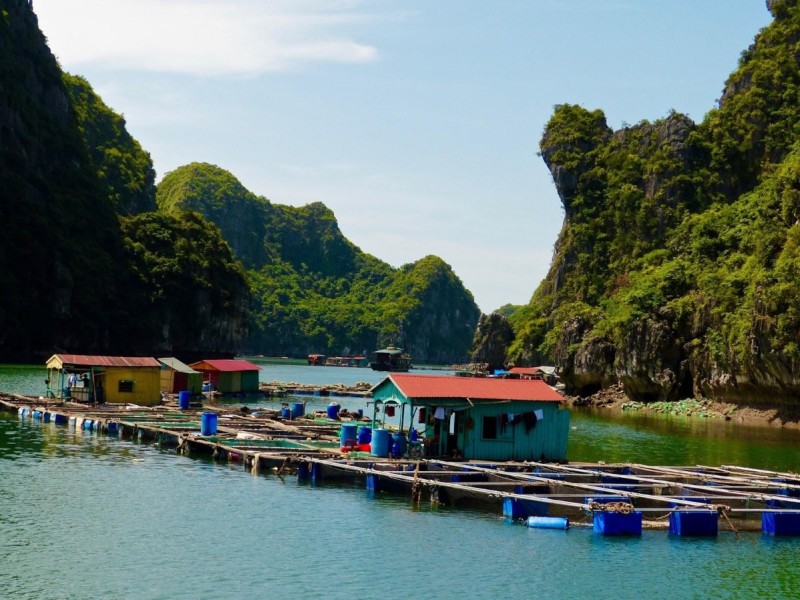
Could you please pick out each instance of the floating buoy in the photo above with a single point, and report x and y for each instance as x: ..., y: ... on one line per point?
x: 548, y: 522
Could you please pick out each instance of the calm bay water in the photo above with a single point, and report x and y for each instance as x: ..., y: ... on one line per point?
x: 88, y: 516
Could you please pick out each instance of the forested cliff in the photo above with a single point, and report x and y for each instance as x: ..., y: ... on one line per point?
x: 89, y: 262
x: 313, y: 290
x: 676, y: 269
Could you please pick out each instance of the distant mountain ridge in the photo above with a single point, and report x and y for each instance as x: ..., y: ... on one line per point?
x: 314, y: 291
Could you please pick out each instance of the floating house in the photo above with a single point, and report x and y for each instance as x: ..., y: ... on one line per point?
x: 479, y: 418
x: 229, y: 376
x: 547, y: 374
x: 179, y: 377
x: 391, y: 359
x: 316, y: 359
x: 346, y: 361
x: 104, y: 379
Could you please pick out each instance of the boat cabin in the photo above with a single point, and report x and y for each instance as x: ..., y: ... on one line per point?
x: 391, y: 359
x: 104, y: 379
x: 479, y: 418
x: 228, y: 376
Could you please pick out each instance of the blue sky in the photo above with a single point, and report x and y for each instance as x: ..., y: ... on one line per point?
x: 416, y: 122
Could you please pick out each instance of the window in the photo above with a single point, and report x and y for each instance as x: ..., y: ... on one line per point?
x: 125, y: 385
x: 489, y: 429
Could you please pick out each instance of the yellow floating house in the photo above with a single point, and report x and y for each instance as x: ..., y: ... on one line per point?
x: 104, y: 379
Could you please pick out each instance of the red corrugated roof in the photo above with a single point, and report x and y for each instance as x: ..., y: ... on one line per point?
x: 525, y: 370
x: 474, y: 388
x: 82, y: 360
x: 226, y: 365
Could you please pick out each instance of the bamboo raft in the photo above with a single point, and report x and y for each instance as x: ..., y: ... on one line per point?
x: 279, y: 388
x: 613, y: 499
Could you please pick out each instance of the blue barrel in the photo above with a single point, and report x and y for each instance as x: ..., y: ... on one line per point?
x: 183, y: 399
x: 380, y: 443
x: 298, y: 409
x: 549, y: 522
x: 333, y: 410
x: 399, y: 445
x: 414, y: 435
x: 348, y: 434
x: 208, y: 423
x: 364, y: 435
x: 37, y: 414
x: 286, y: 412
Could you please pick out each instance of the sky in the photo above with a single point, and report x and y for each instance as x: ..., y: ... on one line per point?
x: 416, y: 121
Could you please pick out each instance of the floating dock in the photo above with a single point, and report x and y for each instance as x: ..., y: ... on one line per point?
x: 278, y: 389
x: 613, y: 499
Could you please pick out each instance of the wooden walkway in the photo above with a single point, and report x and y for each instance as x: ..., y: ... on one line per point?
x: 614, y: 499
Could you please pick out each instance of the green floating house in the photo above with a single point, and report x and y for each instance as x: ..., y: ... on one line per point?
x: 479, y: 418
x: 229, y: 376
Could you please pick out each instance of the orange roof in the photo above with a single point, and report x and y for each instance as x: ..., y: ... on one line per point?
x: 474, y: 388
x: 83, y: 360
x: 525, y: 370
x: 226, y: 365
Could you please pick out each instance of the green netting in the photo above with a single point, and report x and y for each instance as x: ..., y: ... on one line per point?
x: 287, y: 444
x: 164, y: 425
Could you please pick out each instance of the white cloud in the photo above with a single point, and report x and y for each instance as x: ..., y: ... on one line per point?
x: 202, y: 37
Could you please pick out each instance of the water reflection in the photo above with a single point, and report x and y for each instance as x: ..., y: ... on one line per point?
x: 670, y: 440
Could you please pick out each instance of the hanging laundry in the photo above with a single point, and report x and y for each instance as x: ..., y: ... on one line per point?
x: 502, y: 421
x: 539, y: 414
x: 439, y: 414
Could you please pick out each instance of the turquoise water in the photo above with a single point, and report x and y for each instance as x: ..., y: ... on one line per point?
x: 88, y: 516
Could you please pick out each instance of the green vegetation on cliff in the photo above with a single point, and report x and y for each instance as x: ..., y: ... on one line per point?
x: 120, y: 163
x: 192, y: 291
x: 676, y: 269
x: 313, y: 290
x: 60, y: 239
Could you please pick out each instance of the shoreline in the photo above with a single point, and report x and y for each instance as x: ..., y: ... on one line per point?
x: 614, y: 399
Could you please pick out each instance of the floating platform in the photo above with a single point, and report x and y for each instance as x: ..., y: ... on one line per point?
x: 611, y: 499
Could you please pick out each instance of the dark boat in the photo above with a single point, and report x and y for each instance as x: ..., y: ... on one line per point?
x: 391, y: 359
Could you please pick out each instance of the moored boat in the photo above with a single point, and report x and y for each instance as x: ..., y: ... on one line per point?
x: 391, y: 359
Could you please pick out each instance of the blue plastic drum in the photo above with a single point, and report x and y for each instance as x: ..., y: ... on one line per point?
x: 380, y: 443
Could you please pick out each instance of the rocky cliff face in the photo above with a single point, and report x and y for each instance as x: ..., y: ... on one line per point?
x: 493, y: 336
x: 675, y: 271
x: 69, y: 278
x: 440, y: 330
x: 59, y: 236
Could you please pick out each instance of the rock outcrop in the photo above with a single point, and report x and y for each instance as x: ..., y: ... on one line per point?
x: 676, y: 271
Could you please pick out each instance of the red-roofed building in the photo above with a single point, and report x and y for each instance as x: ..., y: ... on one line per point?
x: 547, y: 374
x: 101, y: 379
x: 229, y: 376
x: 480, y: 418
